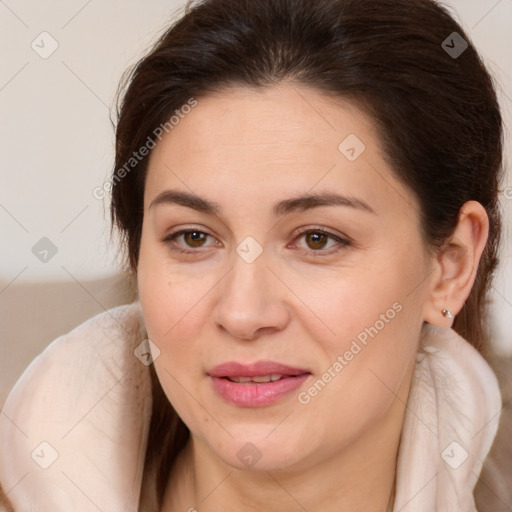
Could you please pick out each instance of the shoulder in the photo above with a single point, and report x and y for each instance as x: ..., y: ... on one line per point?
x: 84, y: 402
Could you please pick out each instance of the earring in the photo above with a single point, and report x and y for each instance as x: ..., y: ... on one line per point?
x: 446, y: 313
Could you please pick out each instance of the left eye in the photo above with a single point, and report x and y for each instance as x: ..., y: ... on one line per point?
x: 317, y: 240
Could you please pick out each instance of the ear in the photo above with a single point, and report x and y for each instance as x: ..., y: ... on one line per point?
x: 456, y: 265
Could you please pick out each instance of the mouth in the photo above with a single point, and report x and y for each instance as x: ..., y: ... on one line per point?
x: 256, y: 384
x: 257, y: 379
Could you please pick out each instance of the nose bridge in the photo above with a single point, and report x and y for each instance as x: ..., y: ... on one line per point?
x: 244, y: 282
x: 249, y: 262
x: 249, y: 302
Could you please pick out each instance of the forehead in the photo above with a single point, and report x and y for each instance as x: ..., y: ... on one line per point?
x: 284, y: 118
x: 246, y: 144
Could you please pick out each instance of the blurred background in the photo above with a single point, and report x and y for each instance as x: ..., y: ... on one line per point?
x: 61, y: 65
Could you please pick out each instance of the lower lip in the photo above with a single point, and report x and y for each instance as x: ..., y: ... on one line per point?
x: 256, y: 394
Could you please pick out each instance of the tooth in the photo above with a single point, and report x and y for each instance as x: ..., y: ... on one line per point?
x: 240, y: 380
x: 263, y: 378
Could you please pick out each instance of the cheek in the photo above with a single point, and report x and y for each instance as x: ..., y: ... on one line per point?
x: 353, y: 305
x: 374, y: 325
x: 170, y: 299
x: 173, y: 315
x: 365, y: 374
x: 173, y: 319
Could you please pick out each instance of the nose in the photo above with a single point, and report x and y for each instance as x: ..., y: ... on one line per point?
x: 252, y: 302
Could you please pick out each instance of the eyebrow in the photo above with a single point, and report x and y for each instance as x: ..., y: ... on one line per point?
x: 281, y: 208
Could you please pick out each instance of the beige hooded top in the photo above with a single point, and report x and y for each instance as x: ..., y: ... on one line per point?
x: 73, y: 431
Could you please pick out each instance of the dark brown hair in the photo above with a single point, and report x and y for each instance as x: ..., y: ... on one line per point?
x: 436, y: 112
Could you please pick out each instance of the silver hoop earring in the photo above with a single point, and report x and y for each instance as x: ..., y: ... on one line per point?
x: 446, y: 313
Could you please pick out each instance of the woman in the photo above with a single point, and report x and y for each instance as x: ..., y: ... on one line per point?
x: 307, y: 195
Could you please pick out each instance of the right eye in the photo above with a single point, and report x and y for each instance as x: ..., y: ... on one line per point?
x: 193, y: 239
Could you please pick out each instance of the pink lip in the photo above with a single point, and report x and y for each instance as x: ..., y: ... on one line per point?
x: 256, y: 394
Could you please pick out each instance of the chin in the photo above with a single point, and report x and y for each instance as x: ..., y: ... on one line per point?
x: 256, y: 453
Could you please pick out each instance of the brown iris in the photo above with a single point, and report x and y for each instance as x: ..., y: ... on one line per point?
x: 194, y: 238
x: 318, y: 240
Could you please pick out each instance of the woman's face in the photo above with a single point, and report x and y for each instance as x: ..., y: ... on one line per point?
x: 300, y: 249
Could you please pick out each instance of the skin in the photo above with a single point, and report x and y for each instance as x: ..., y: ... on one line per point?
x: 246, y: 150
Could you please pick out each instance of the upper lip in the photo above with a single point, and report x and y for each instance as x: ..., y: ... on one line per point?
x: 259, y: 368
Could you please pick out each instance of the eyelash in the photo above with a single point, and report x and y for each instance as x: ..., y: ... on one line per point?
x: 341, y: 242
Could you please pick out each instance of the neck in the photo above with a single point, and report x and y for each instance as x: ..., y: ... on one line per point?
x: 359, y: 477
